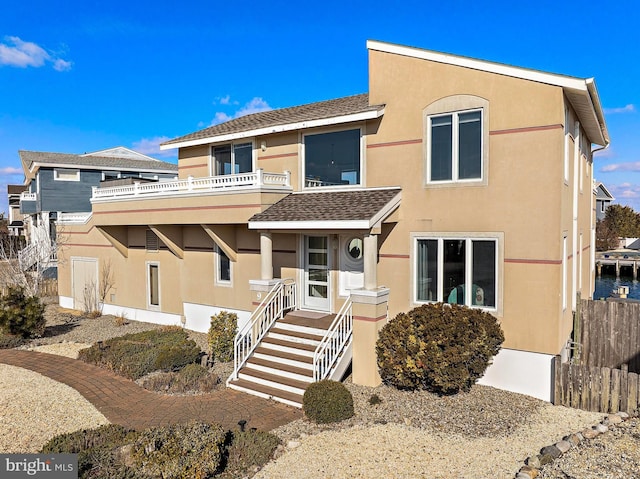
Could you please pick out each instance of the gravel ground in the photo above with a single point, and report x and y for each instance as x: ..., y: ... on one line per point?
x: 34, y: 408
x: 486, y: 433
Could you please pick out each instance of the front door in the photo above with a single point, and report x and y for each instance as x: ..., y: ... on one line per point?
x: 316, y: 273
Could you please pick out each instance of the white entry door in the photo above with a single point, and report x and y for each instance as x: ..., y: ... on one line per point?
x: 316, y: 273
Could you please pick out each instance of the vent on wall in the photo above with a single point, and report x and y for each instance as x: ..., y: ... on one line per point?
x: 152, y: 241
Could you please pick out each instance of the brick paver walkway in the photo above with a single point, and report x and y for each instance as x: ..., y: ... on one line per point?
x: 124, y: 402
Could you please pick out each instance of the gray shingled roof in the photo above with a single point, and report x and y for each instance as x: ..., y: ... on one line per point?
x: 328, y: 206
x: 313, y: 111
x: 28, y: 158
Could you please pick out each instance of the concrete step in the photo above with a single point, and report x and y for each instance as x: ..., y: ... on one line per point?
x: 291, y: 359
x: 275, y: 381
x: 288, y: 346
x: 267, y: 392
x: 273, y: 367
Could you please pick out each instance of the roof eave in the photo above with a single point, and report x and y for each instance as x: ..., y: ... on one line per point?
x: 37, y: 165
x: 336, y: 120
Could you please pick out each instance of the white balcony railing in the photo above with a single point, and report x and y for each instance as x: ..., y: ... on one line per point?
x: 25, y: 196
x: 73, y: 218
x: 191, y: 185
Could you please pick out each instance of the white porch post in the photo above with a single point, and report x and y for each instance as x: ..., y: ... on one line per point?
x: 266, y: 256
x: 370, y: 247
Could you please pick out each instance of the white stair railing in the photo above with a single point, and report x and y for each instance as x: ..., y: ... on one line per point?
x: 333, y: 343
x: 281, y: 298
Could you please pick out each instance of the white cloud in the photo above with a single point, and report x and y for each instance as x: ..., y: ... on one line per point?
x: 221, y: 118
x: 225, y: 100
x: 10, y: 170
x: 630, y: 108
x: 630, y: 166
x: 151, y: 146
x: 15, y: 52
x: 255, y: 105
x: 62, y: 65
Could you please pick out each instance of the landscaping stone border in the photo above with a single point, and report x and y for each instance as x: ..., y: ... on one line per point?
x: 548, y: 454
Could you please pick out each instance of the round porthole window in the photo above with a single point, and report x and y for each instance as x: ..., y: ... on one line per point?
x: 354, y: 248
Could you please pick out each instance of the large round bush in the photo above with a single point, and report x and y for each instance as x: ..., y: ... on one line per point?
x: 443, y: 348
x: 327, y: 401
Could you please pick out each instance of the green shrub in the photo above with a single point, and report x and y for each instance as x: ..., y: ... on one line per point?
x: 222, y: 332
x: 135, y: 355
x: 98, y: 451
x: 191, y: 378
x: 327, y: 401
x: 190, y: 451
x: 249, y: 449
x: 78, y: 441
x: 21, y: 315
x: 438, y: 347
x: 374, y: 400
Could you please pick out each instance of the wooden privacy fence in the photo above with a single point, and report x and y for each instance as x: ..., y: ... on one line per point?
x: 609, y: 334
x: 49, y: 287
x: 598, y: 389
x: 603, y: 375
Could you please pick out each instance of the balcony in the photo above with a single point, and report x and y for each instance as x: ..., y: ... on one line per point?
x: 224, y: 184
x: 73, y: 218
x: 226, y: 199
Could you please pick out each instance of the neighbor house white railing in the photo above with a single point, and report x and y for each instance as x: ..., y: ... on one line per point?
x: 70, y: 218
x: 193, y: 185
x: 41, y: 249
x: 281, y: 298
x: 336, y: 339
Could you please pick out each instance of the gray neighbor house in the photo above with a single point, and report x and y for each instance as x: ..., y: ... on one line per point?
x: 60, y: 185
x: 603, y: 200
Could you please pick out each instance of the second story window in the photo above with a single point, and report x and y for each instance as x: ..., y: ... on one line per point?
x: 455, y: 146
x: 66, y: 174
x: 332, y: 159
x: 231, y: 159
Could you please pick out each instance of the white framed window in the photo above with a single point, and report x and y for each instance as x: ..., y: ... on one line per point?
x: 580, y: 264
x: 153, y: 285
x: 223, y: 267
x: 454, y: 151
x: 456, y: 269
x: 66, y: 174
x: 332, y: 158
x: 564, y: 272
x: 110, y: 175
x: 232, y: 158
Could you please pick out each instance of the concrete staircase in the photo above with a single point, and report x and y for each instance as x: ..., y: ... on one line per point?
x: 281, y: 367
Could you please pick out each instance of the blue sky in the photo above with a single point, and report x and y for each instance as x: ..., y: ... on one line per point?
x: 89, y: 75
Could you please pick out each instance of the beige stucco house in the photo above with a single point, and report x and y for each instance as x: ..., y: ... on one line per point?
x: 452, y: 179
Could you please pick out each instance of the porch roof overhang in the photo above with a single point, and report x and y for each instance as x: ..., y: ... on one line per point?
x: 358, y: 209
